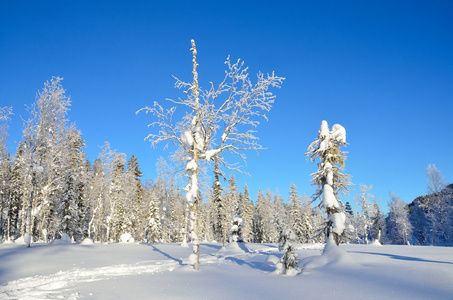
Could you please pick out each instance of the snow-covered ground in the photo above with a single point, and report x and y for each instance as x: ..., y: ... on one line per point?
x: 160, y: 271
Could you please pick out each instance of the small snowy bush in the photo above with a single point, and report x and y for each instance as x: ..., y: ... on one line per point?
x: 289, y: 261
x: 235, y: 232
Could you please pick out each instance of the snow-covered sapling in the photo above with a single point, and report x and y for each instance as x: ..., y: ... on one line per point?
x: 289, y: 260
x: 235, y: 233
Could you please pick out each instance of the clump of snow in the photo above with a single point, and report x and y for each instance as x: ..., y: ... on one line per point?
x: 8, y: 241
x: 332, y: 256
x: 191, y: 166
x: 375, y: 243
x: 192, y: 259
x: 328, y: 197
x: 292, y: 272
x: 211, y: 153
x: 338, y: 133
x: 324, y: 129
x: 271, y: 260
x: 19, y: 241
x: 27, y: 239
x: 235, y: 248
x: 126, y: 238
x: 338, y: 222
x: 64, y: 240
x: 187, y: 138
x: 87, y: 241
x: 184, y: 243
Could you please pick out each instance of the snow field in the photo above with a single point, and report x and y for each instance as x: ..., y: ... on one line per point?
x: 161, y: 271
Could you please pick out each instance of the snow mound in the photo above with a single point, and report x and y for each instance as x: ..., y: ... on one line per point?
x: 192, y: 259
x: 87, y: 241
x: 270, y: 264
x: 8, y: 241
x: 65, y: 240
x: 375, y: 243
x: 126, y: 238
x: 312, y: 246
x: 235, y: 248
x: 23, y: 240
x: 20, y: 241
x: 332, y: 256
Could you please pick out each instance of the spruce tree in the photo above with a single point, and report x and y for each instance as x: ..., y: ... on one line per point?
x: 153, y: 228
x: 247, y: 215
x: 289, y: 260
x: 328, y: 179
x: 219, y: 206
x: 296, y: 222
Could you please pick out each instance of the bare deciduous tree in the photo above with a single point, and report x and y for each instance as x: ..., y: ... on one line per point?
x: 214, y: 124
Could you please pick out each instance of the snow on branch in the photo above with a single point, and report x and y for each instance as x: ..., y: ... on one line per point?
x: 221, y: 118
x: 5, y: 112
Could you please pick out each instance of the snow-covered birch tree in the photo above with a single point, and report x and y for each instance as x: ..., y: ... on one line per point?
x: 440, y: 210
x: 329, y: 180
x: 220, y: 119
x: 399, y: 227
x: 366, y: 213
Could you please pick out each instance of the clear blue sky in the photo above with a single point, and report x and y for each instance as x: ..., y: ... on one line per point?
x: 382, y: 69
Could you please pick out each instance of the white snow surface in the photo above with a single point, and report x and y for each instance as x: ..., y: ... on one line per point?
x: 162, y: 271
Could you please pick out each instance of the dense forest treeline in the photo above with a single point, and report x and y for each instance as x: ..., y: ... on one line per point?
x: 49, y: 188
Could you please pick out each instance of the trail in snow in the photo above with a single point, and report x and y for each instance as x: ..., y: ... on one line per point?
x: 48, y: 286
x: 52, y: 286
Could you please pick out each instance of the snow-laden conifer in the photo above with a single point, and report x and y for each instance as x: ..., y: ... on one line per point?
x: 247, y: 208
x: 235, y: 232
x: 329, y: 180
x: 153, y: 228
x: 289, y: 261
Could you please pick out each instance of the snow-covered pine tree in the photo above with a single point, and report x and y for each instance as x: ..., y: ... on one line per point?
x: 235, y: 232
x: 247, y: 208
x: 232, y: 197
x: 97, y: 200
x: 202, y: 220
x: 153, y: 228
x: 258, y: 226
x: 289, y: 260
x: 219, y: 218
x: 135, y: 189
x: 378, y: 228
x: 307, y: 225
x: 296, y: 221
x: 264, y: 225
x: 280, y: 212
x: 72, y: 207
x: 328, y: 179
x: 5, y: 177
x: 348, y: 209
x: 212, y: 126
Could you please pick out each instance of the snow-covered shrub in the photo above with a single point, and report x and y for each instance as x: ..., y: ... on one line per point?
x: 235, y: 233
x: 289, y: 261
x: 126, y: 238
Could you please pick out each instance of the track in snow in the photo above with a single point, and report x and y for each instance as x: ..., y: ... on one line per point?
x: 50, y: 286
